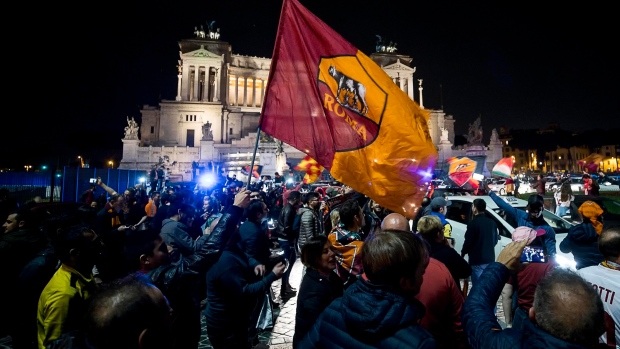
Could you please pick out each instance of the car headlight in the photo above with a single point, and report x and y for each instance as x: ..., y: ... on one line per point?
x: 565, y: 262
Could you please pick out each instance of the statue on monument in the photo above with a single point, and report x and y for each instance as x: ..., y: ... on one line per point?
x: 207, y: 133
x: 444, y: 134
x: 474, y: 136
x: 200, y: 33
x: 131, y: 130
x: 494, y: 136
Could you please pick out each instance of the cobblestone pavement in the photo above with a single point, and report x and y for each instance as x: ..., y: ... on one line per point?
x: 281, y: 336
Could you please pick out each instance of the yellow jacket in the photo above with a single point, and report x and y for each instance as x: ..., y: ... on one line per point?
x: 62, y: 304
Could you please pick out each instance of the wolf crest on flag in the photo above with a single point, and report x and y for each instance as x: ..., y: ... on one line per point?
x: 331, y: 101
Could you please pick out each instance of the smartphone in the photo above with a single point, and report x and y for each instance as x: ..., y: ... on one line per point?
x: 93, y: 180
x: 533, y: 254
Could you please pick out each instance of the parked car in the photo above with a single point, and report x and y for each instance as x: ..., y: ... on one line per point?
x: 611, y: 208
x: 460, y: 213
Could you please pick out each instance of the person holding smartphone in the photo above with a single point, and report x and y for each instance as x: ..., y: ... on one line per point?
x: 526, y: 280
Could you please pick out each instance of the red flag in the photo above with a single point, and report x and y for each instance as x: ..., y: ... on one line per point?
x: 331, y: 101
x: 311, y: 167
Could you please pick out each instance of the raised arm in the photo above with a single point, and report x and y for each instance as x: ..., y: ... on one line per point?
x: 105, y: 187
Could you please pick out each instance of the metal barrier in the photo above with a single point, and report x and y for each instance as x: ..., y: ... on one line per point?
x: 67, y: 184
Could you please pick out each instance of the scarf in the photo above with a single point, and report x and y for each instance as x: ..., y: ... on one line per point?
x: 591, y: 210
x: 610, y: 265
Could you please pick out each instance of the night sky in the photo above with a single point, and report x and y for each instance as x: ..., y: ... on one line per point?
x: 76, y: 73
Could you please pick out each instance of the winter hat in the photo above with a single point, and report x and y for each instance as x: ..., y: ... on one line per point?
x: 522, y: 233
x: 591, y: 210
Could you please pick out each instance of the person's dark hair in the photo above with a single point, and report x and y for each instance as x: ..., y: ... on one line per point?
x: 389, y: 255
x: 174, y: 208
x: 609, y: 243
x: 310, y: 196
x: 214, y: 205
x: 535, y: 202
x: 311, y: 252
x: 480, y: 205
x: 255, y: 208
x: 294, y: 196
x: 119, y: 313
x: 67, y: 239
x: 52, y: 224
x: 568, y: 308
x: 139, y: 243
x: 23, y: 215
x: 154, y: 193
x: 348, y: 211
x: 426, y: 201
x: 165, y: 198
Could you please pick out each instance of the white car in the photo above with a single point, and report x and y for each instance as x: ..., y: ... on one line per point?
x: 460, y: 213
x: 498, y: 186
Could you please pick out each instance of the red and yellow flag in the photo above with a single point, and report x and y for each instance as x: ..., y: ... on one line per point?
x: 331, y: 101
x: 311, y: 167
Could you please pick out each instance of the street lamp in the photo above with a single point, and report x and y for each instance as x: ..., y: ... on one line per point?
x: 27, y: 167
x: 81, y: 161
x: 111, y: 163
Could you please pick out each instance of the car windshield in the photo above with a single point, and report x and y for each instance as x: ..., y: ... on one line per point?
x: 559, y: 225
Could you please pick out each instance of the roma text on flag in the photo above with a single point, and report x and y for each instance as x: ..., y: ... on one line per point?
x: 331, y: 101
x: 311, y: 167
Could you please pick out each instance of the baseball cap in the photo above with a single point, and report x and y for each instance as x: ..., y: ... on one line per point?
x: 522, y: 233
x: 440, y: 202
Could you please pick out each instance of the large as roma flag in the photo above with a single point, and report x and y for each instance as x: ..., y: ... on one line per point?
x: 331, y: 101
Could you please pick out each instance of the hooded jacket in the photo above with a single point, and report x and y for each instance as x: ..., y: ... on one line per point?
x: 582, y: 242
x: 370, y: 316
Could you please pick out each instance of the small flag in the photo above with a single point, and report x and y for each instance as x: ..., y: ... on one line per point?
x: 503, y: 168
x: 311, y: 167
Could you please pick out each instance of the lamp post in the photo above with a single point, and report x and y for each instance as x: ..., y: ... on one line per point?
x: 81, y: 161
x: 27, y: 167
x: 111, y: 163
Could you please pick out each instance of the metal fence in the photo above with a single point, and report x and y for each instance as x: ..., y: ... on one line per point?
x: 66, y: 185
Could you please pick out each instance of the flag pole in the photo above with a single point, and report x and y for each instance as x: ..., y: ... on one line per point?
x: 271, y: 73
x: 251, y: 171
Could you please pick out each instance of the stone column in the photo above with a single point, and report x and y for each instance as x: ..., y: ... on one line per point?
x: 205, y: 85
x: 245, y: 91
x: 179, y: 79
x: 421, y: 100
x: 216, y: 82
x: 403, y: 81
x: 410, y: 87
x: 236, y: 93
x: 254, y: 92
x: 185, y: 83
x: 262, y: 91
x: 195, y: 92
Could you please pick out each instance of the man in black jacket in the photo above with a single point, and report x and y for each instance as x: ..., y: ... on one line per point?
x: 179, y: 281
x: 287, y: 236
x: 481, y: 237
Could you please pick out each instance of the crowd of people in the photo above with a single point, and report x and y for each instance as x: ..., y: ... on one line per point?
x: 140, y: 269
